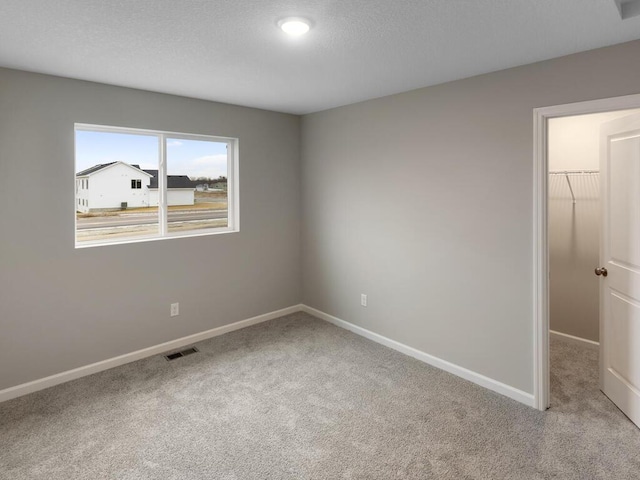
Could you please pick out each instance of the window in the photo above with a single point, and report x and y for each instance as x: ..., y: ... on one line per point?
x: 175, y: 185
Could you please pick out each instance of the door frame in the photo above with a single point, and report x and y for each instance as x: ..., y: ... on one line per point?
x: 541, y: 389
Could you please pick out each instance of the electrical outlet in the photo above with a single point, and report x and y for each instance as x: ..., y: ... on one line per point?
x: 175, y: 309
x: 363, y: 299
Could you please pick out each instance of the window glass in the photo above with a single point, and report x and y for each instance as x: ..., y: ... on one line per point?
x: 118, y: 209
x: 196, y: 184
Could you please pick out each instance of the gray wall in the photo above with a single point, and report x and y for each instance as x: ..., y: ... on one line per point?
x: 423, y: 200
x: 62, y: 308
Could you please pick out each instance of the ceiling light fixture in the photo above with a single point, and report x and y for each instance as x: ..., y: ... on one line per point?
x: 294, y: 26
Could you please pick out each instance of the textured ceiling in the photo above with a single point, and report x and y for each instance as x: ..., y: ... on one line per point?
x: 231, y: 50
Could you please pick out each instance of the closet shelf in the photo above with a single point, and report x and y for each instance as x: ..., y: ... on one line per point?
x: 566, y: 173
x: 574, y: 172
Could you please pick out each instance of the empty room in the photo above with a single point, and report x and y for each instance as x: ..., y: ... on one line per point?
x: 319, y: 239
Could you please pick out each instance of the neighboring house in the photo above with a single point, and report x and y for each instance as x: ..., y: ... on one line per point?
x: 180, y: 189
x: 119, y: 185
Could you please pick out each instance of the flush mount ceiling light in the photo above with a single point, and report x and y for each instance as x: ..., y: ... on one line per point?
x: 294, y: 26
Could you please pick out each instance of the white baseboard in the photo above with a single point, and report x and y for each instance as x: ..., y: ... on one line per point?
x: 486, y: 382
x: 58, y: 378
x: 576, y: 339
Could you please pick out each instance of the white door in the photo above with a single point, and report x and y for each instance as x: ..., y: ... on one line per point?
x: 620, y: 257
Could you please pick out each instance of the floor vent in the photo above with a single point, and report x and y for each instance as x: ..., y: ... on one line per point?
x: 182, y: 353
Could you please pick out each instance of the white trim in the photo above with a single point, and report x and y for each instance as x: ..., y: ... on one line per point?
x: 42, y: 383
x: 50, y: 381
x: 486, y: 382
x: 574, y: 338
x: 233, y: 185
x: 152, y: 238
x: 92, y: 127
x: 541, y: 390
x: 163, y: 212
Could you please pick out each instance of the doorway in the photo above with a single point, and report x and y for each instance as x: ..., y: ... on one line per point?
x: 541, y: 294
x: 574, y: 232
x: 574, y: 226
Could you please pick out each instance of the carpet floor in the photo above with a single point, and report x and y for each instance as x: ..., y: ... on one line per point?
x: 298, y: 398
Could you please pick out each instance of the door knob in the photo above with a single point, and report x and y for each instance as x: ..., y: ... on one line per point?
x: 601, y: 271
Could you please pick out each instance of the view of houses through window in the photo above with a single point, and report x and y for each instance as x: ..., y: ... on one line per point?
x: 133, y: 184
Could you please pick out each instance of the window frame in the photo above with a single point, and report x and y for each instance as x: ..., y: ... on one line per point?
x: 233, y: 196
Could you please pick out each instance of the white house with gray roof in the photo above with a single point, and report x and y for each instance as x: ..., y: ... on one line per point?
x: 118, y: 185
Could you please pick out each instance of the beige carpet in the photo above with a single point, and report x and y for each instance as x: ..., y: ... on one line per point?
x: 297, y: 398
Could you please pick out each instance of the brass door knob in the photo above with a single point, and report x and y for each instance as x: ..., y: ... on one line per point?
x: 601, y: 271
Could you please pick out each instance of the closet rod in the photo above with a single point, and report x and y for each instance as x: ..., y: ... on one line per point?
x: 574, y: 172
